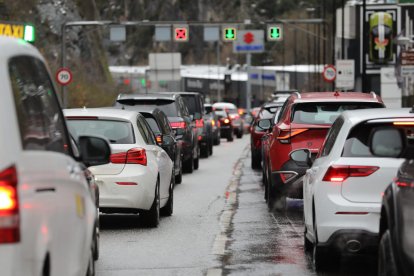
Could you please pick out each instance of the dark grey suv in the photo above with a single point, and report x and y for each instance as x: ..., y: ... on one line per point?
x: 176, y: 110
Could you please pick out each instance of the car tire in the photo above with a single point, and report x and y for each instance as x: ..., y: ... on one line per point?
x: 96, y: 244
x: 230, y: 137
x: 386, y: 259
x: 189, y: 164
x: 204, y: 151
x: 91, y: 265
x: 196, y: 163
x: 256, y: 160
x: 239, y: 133
x: 168, y: 209
x: 179, y: 177
x: 210, y: 147
x: 152, y: 216
x: 307, y: 244
x: 323, y: 258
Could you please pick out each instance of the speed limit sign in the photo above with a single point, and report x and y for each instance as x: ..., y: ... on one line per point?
x: 63, y: 76
x: 329, y: 73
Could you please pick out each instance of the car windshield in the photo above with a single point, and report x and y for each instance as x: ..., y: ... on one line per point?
x: 167, y: 106
x: 116, y: 132
x: 325, y: 113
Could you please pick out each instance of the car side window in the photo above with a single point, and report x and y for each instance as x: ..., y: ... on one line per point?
x: 184, y: 107
x: 165, y: 123
x: 331, y: 137
x: 282, y: 112
x: 146, y: 132
x: 41, y: 122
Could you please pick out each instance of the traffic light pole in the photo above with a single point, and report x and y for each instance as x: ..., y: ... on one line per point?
x: 248, y: 86
x: 218, y: 72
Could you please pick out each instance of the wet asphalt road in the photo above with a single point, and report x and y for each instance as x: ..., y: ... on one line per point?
x: 220, y: 226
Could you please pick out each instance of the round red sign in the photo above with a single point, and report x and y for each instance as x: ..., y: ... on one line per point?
x: 63, y: 76
x: 329, y: 73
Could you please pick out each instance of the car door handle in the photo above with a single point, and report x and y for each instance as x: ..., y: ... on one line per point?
x: 45, y: 190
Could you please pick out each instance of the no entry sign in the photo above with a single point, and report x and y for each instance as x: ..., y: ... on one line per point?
x: 63, y: 76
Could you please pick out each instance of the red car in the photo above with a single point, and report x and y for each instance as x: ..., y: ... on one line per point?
x: 303, y: 123
x: 267, y: 111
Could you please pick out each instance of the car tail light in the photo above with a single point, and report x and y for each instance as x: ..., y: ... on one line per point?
x: 9, y: 207
x: 226, y: 121
x: 175, y: 125
x: 133, y: 156
x: 213, y: 123
x: 341, y: 173
x: 287, y: 176
x: 285, y: 135
x: 403, y: 123
x: 199, y: 123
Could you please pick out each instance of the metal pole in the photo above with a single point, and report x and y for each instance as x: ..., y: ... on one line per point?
x: 248, y: 88
x: 295, y: 61
x: 363, y: 46
x: 218, y: 72
x: 343, y: 30
x: 63, y: 96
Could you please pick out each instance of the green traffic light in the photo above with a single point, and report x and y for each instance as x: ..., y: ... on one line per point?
x: 275, y: 33
x: 229, y: 34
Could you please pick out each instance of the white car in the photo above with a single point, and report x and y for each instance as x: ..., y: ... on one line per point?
x: 236, y: 119
x: 47, y: 213
x: 140, y: 177
x: 343, y: 188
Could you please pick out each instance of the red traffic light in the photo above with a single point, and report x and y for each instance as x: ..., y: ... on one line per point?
x: 181, y: 33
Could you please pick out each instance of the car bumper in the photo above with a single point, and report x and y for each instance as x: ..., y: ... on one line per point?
x: 225, y: 131
x: 352, y: 241
x: 113, y: 195
x: 291, y: 186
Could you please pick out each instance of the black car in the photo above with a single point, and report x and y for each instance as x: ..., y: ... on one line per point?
x: 160, y: 125
x: 180, y: 120
x: 396, y: 244
x: 226, y: 127
x: 195, y: 105
x: 211, y: 118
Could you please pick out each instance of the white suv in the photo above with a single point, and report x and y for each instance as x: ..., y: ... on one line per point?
x: 47, y: 213
x: 343, y: 188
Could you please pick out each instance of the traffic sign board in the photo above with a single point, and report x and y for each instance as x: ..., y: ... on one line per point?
x: 345, y: 77
x: 249, y: 41
x: 229, y: 33
x: 181, y: 33
x: 63, y: 76
x: 407, y: 58
x: 329, y: 73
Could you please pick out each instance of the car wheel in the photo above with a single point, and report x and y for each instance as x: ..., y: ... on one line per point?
x: 210, y: 152
x: 386, y: 260
x: 167, y: 210
x: 230, y: 137
x: 189, y: 164
x: 179, y: 177
x: 204, y: 151
x: 96, y: 243
x: 239, y: 133
x: 323, y: 258
x: 91, y: 264
x: 307, y: 244
x: 152, y: 216
x: 196, y: 163
x: 256, y: 160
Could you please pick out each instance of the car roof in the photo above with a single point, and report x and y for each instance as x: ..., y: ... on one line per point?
x: 362, y: 115
x: 336, y: 97
x: 225, y: 105
x: 103, y: 113
x: 16, y: 47
x: 181, y: 93
x: 272, y: 104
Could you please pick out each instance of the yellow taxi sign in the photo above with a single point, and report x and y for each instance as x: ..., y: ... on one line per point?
x: 17, y: 30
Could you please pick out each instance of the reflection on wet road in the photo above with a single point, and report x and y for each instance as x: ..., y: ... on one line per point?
x: 263, y: 243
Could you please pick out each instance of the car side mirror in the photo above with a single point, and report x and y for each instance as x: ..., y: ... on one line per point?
x: 302, y: 157
x: 387, y: 142
x: 167, y: 140
x: 94, y: 150
x: 264, y: 124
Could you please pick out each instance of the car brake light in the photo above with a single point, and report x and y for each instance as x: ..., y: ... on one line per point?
x: 234, y: 116
x: 213, y: 123
x: 341, y: 173
x: 133, y: 156
x: 285, y: 135
x: 226, y: 121
x: 9, y: 207
x: 199, y: 123
x: 175, y: 125
x: 403, y: 123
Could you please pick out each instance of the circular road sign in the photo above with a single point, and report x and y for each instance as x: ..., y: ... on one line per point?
x: 329, y: 73
x: 63, y: 76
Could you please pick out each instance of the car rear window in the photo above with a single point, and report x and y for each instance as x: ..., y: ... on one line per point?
x: 325, y: 113
x: 356, y: 144
x: 116, y: 132
x: 191, y: 103
x: 167, y: 106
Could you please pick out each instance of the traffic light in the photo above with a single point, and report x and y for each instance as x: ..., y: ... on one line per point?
x: 181, y: 33
x: 274, y: 33
x: 229, y: 33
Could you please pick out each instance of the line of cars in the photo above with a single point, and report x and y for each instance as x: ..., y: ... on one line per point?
x: 340, y: 152
x: 60, y: 169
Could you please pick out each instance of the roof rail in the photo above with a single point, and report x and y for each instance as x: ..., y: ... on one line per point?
x: 297, y: 94
x: 373, y: 94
